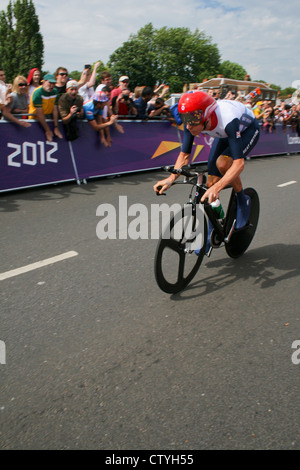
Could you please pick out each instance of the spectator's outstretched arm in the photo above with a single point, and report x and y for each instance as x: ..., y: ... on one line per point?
x: 92, y: 79
x: 10, y: 117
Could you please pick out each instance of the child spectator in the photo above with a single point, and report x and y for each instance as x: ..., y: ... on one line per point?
x: 141, y: 102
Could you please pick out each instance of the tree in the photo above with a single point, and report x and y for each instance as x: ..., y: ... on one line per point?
x: 21, y: 44
x: 167, y: 55
x: 232, y: 70
x: 136, y: 58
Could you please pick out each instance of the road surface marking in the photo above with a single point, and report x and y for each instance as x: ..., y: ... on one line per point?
x: 286, y: 184
x: 38, y: 264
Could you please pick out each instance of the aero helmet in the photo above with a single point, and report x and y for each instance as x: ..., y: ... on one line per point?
x: 195, y: 107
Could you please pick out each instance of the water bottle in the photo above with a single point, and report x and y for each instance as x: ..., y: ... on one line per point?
x: 218, y: 209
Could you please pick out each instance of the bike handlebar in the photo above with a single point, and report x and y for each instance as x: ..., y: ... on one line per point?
x: 182, y: 171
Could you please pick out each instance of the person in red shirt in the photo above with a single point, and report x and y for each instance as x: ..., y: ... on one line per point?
x: 123, y: 83
x: 123, y: 105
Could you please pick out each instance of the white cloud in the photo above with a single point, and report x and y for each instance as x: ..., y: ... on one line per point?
x: 263, y: 36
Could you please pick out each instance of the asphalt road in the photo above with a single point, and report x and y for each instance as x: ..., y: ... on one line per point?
x: 97, y: 357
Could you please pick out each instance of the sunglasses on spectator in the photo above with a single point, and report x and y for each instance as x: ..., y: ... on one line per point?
x: 62, y: 73
x: 22, y: 84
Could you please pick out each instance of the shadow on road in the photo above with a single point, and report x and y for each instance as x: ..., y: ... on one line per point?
x: 266, y: 266
x: 10, y: 201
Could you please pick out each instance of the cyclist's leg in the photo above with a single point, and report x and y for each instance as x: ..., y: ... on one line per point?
x: 224, y: 162
x: 214, y: 175
x: 216, y: 150
x: 249, y: 139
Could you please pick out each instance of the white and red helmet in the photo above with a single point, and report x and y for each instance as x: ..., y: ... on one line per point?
x: 195, y: 107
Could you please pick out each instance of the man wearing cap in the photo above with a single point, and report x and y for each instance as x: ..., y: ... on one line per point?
x: 93, y: 111
x: 43, y: 105
x: 70, y: 107
x: 70, y: 104
x: 123, y: 84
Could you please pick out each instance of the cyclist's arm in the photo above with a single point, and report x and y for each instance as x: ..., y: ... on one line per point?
x: 182, y: 159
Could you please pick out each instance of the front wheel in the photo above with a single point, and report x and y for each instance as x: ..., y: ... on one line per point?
x: 241, y: 239
x: 175, y: 262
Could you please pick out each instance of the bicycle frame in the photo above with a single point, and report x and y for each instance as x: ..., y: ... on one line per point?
x: 176, y: 248
x: 223, y: 231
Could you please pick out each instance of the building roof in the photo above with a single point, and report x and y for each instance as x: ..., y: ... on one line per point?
x: 217, y: 82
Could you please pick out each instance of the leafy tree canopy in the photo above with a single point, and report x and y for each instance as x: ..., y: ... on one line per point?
x: 174, y: 56
x: 232, y: 70
x: 21, y: 44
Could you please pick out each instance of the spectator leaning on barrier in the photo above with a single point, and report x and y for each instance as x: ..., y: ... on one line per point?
x: 18, y: 103
x: 293, y: 119
x: 107, y: 112
x: 70, y: 107
x: 285, y: 113
x: 268, y: 119
x: 43, y: 105
x: 93, y: 110
x: 141, y: 102
x: 159, y: 109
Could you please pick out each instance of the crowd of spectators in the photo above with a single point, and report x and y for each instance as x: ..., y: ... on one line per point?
x: 267, y: 114
x: 59, y: 97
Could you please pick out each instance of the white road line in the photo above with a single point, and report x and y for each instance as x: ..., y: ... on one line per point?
x: 286, y: 184
x: 38, y: 264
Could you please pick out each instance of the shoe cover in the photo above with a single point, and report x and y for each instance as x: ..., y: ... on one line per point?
x: 242, y: 211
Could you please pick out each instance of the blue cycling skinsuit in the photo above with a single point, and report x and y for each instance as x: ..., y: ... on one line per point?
x: 235, y: 134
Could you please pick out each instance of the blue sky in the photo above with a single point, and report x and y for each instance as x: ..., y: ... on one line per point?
x: 262, y: 36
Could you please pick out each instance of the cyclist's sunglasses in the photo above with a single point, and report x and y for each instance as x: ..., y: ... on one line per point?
x: 193, y: 119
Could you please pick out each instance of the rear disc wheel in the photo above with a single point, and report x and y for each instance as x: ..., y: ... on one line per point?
x: 241, y: 239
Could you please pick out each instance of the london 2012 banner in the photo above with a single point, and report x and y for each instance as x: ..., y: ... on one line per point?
x: 27, y: 159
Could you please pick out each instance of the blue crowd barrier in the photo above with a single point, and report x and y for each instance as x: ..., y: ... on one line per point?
x: 27, y: 159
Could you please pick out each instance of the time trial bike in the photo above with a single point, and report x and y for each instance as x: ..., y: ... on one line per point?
x: 185, y: 235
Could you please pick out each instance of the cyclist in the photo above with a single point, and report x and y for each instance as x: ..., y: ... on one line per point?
x: 235, y: 131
